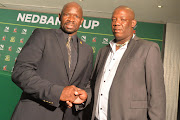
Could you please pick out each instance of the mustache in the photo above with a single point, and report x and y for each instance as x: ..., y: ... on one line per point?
x: 69, y: 22
x: 117, y: 29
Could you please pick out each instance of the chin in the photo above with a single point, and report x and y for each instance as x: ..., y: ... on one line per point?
x: 116, y: 35
x: 69, y: 31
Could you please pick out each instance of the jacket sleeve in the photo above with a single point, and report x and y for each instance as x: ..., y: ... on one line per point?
x: 25, y: 71
x: 86, y: 85
x: 155, y: 84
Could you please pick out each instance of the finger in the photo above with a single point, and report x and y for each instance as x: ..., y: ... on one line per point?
x: 69, y: 104
x: 76, y: 93
x: 81, y: 92
x: 82, y: 95
x: 78, y: 101
x: 73, y: 98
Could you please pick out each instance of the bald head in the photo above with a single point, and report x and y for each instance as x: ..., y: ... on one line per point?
x: 129, y: 11
x: 73, y: 4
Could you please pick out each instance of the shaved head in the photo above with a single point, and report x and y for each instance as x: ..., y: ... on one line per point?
x: 72, y: 4
x: 128, y: 10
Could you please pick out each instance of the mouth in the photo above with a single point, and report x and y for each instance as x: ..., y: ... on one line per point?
x: 69, y: 25
x: 117, y: 30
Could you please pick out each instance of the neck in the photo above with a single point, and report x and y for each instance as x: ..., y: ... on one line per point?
x: 122, y: 41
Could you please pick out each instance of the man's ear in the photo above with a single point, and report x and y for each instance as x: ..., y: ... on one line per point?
x: 59, y: 15
x: 82, y: 20
x: 134, y: 22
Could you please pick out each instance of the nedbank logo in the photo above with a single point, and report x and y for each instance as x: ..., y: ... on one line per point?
x: 83, y: 38
x: 12, y: 39
x: 24, y: 31
x: 18, y: 50
x: 6, y: 29
x: 43, y: 19
x: 1, y: 47
x: 7, y: 58
x: 105, y: 41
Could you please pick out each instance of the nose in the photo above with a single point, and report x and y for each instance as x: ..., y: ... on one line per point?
x: 71, y: 18
x: 118, y: 22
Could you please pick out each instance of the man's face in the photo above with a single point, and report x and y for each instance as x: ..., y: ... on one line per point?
x: 122, y: 24
x: 71, y: 19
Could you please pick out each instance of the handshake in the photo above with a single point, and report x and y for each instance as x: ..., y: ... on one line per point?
x: 73, y: 95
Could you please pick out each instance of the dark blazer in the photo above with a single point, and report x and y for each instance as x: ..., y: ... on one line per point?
x: 41, y: 71
x: 137, y: 91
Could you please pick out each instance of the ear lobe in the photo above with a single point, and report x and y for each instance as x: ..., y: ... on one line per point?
x: 59, y: 15
x: 134, y: 22
x: 82, y: 20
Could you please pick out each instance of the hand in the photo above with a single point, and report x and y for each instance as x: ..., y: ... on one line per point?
x: 82, y: 96
x: 69, y: 93
x: 69, y: 104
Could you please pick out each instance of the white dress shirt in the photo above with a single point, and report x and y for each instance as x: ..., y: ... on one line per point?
x: 109, y: 72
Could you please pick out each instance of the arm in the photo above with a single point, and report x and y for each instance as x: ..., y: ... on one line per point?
x: 155, y: 84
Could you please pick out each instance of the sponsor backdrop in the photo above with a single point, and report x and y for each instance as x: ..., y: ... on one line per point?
x: 17, y: 26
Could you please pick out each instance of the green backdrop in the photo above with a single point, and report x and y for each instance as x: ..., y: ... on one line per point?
x: 16, y: 27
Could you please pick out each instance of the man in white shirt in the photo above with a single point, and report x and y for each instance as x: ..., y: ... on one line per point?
x: 128, y: 75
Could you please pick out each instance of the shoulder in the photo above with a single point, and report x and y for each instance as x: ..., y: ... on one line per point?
x: 47, y: 34
x: 104, y: 48
x: 44, y: 30
x: 84, y: 44
x: 145, y: 43
x: 103, y: 51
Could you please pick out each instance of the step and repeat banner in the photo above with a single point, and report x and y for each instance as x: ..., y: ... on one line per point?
x: 16, y: 27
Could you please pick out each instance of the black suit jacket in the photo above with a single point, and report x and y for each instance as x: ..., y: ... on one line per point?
x: 41, y: 71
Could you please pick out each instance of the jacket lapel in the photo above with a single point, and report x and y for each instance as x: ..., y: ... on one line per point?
x: 62, y: 49
x: 103, y: 59
x: 125, y: 57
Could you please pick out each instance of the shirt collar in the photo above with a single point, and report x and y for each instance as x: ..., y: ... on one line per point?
x: 113, y: 45
x: 74, y: 37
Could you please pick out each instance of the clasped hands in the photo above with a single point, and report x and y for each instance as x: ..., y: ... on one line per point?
x: 73, y: 95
